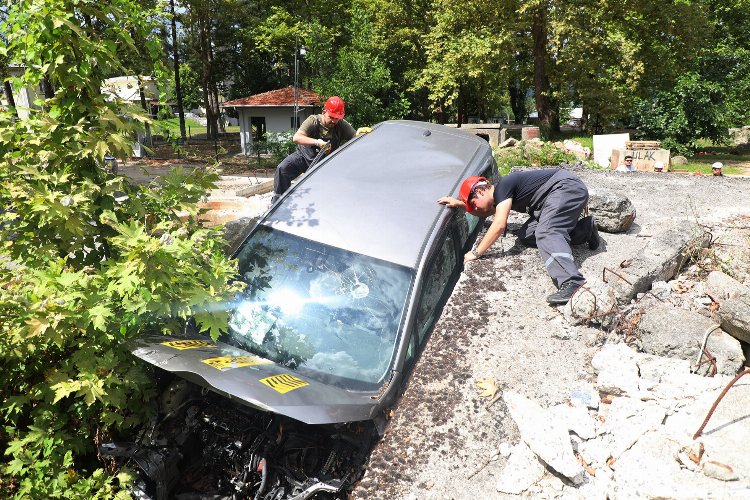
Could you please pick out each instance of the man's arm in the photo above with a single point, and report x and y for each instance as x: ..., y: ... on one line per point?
x: 302, y: 135
x: 496, y: 229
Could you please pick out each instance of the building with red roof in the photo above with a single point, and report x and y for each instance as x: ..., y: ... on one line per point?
x: 272, y: 111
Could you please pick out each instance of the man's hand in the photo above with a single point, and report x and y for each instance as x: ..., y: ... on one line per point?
x: 451, y: 202
x: 470, y: 255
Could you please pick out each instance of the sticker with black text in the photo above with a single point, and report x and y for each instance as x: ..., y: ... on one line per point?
x: 228, y: 362
x: 284, y: 383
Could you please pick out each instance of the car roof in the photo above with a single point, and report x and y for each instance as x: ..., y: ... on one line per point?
x: 377, y: 195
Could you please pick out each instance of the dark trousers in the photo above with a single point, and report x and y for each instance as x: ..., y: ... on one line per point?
x: 554, y: 226
x: 289, y: 169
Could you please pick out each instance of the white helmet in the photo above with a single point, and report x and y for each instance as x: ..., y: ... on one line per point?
x: 717, y: 165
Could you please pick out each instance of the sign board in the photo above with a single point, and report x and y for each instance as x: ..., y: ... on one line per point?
x: 604, y: 144
x: 643, y: 159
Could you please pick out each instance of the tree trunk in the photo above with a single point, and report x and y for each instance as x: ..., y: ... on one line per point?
x: 177, y: 86
x: 546, y: 106
x: 146, y: 107
x: 207, y: 77
x: 517, y: 100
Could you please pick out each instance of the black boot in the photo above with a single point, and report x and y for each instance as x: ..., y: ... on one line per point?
x: 594, y: 237
x: 563, y: 295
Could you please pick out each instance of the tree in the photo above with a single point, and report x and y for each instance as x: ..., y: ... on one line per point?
x: 88, y: 260
x: 466, y: 54
x: 360, y: 77
x: 176, y: 65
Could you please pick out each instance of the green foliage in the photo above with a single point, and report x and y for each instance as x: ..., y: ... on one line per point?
x: 278, y: 144
x: 361, y: 77
x: 694, y: 109
x: 526, y: 155
x: 88, y: 261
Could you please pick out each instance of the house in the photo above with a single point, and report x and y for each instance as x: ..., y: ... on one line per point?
x: 24, y: 97
x: 272, y: 111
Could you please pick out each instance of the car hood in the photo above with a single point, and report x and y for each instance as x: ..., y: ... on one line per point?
x: 255, y: 381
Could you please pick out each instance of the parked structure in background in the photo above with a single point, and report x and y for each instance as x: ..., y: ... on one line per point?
x: 24, y: 97
x: 272, y: 111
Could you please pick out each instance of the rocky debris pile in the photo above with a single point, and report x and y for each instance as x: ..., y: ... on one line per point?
x: 630, y: 435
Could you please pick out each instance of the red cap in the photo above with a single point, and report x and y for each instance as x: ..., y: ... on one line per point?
x: 466, y: 188
x: 334, y: 106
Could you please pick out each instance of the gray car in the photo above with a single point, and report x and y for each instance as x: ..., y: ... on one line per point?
x: 346, y: 275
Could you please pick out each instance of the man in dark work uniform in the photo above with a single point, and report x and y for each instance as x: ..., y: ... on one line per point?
x: 554, y: 200
x: 313, y: 134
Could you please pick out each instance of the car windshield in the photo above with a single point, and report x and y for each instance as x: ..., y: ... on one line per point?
x: 318, y: 309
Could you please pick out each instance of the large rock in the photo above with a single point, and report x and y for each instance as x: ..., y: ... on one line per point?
x: 678, y: 333
x: 594, y: 302
x: 735, y: 317
x: 612, y: 211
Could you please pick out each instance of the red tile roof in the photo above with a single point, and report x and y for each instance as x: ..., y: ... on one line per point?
x: 279, y: 97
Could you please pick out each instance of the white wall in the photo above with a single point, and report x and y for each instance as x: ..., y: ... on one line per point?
x: 278, y: 119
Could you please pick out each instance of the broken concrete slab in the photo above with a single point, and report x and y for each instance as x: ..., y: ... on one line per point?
x: 612, y: 211
x: 629, y: 419
x: 575, y: 418
x: 522, y: 470
x: 508, y: 143
x: 678, y: 333
x: 721, y: 286
x: 594, y: 302
x: 618, y: 370
x: 660, y: 260
x: 545, y: 436
x: 650, y: 470
x: 735, y: 317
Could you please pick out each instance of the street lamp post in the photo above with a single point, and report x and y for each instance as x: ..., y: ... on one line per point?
x: 298, y: 52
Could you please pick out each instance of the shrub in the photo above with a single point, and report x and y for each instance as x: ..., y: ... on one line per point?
x: 87, y: 260
x: 530, y: 156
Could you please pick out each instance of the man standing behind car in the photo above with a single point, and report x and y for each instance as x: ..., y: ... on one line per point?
x: 314, y: 133
x: 554, y: 199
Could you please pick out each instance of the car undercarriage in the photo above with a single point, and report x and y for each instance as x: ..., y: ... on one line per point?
x: 203, y: 445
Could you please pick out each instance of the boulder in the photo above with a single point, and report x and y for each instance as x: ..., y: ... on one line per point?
x: 678, y: 333
x: 735, y: 317
x: 612, y: 211
x: 679, y: 160
x: 508, y: 143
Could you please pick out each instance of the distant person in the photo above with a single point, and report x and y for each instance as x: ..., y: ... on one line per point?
x: 716, y: 168
x: 314, y: 133
x: 554, y: 200
x: 626, y: 165
x: 658, y: 166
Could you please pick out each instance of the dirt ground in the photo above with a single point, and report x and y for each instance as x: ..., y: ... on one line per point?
x: 443, y: 440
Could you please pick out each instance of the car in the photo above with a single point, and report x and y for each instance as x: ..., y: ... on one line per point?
x: 345, y: 277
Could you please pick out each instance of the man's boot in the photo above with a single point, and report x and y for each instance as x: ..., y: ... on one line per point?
x: 563, y: 295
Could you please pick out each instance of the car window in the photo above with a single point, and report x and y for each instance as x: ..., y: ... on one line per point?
x: 317, y: 308
x: 438, y: 276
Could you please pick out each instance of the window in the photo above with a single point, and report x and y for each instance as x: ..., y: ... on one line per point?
x: 438, y: 275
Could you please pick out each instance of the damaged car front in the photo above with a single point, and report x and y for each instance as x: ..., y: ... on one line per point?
x: 345, y: 276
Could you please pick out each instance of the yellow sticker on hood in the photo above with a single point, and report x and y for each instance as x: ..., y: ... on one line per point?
x: 188, y: 344
x: 284, y: 383
x: 228, y: 362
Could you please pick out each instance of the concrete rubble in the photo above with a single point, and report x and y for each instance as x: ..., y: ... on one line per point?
x: 617, y: 377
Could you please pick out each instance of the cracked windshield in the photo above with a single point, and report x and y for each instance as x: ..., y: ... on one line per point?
x: 318, y: 309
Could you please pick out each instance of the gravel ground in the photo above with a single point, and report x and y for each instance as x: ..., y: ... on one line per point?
x: 442, y: 439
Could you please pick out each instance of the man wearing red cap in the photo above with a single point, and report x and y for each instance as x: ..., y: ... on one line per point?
x: 314, y: 133
x: 554, y: 200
